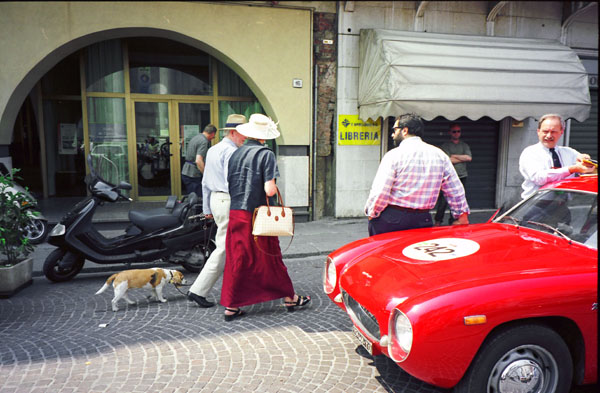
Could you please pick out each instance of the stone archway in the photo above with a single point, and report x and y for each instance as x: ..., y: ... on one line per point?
x: 267, y: 47
x: 27, y: 85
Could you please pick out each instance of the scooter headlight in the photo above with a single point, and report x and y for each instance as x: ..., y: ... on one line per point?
x: 58, y: 230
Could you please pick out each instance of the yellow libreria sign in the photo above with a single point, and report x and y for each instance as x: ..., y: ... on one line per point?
x: 353, y: 131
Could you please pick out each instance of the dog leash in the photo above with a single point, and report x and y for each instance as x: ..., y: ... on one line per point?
x: 181, y: 285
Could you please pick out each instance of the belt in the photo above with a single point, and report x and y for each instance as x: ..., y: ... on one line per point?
x: 407, y: 209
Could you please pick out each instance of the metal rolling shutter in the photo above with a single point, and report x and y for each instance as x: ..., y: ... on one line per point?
x: 482, y: 138
x: 584, y: 135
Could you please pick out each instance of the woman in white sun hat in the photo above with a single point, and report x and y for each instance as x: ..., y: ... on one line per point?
x: 253, y: 275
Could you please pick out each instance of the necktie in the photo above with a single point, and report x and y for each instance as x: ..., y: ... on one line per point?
x: 555, y: 160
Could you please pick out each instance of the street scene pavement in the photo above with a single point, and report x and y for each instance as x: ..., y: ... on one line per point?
x: 60, y: 337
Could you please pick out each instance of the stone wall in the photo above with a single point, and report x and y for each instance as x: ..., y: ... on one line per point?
x: 325, y: 61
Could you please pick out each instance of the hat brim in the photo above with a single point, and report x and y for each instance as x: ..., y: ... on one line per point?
x: 249, y: 130
x: 231, y: 127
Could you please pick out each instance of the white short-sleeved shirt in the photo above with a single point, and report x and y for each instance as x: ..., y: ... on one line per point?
x: 535, y: 164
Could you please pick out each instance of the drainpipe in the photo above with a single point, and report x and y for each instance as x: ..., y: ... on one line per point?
x: 314, y: 143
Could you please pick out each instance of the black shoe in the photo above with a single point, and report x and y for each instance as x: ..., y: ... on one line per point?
x: 202, y: 302
x: 301, y: 302
x: 236, y: 314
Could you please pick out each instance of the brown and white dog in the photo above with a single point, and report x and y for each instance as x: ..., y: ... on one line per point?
x: 154, y: 279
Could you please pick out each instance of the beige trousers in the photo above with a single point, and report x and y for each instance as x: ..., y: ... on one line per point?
x: 213, y: 269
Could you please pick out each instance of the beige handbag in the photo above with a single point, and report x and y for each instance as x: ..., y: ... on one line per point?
x: 273, y: 220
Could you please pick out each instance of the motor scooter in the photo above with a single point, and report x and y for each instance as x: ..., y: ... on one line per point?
x: 36, y: 229
x: 178, y: 233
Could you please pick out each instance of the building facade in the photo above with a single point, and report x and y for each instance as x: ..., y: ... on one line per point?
x: 129, y: 83
x: 422, y: 79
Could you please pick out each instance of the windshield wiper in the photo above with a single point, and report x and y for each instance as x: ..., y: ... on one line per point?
x: 517, y: 222
x: 550, y: 227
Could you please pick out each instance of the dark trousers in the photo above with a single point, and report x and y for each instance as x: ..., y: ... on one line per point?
x: 391, y: 220
x: 443, y: 205
x: 192, y: 184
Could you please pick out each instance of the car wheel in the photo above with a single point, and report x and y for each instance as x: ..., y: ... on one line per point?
x: 530, y: 358
x: 61, y: 265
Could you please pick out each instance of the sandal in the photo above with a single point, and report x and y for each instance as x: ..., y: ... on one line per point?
x: 301, y: 302
x: 236, y: 313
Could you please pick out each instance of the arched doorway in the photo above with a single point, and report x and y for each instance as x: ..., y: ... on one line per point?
x: 132, y: 103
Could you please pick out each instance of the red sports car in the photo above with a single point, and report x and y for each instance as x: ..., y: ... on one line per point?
x: 505, y: 306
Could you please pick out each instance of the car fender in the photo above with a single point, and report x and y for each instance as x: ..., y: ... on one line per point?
x: 441, y: 337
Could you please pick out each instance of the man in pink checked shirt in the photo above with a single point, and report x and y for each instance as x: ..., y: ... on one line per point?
x: 409, y: 180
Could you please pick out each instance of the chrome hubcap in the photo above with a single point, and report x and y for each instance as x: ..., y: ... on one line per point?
x: 522, y: 376
x: 525, y: 369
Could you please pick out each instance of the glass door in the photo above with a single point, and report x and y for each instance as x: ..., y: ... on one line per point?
x: 153, y: 149
x: 163, y: 129
x: 193, y: 117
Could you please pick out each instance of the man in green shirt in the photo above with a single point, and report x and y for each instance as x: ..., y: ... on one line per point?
x: 195, y: 158
x: 459, y: 153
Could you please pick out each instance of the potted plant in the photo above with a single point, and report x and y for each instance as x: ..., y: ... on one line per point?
x: 15, y: 266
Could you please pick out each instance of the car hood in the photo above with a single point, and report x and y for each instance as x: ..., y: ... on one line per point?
x: 423, y: 260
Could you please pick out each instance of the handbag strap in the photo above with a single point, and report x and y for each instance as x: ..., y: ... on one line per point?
x: 268, y: 253
x: 279, y: 197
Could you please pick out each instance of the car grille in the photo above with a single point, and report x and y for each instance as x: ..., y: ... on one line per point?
x: 367, y: 321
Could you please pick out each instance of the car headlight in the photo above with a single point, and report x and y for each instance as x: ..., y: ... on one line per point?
x: 329, y: 276
x: 401, y: 336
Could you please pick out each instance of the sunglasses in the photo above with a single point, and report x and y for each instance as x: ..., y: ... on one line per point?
x: 455, y: 131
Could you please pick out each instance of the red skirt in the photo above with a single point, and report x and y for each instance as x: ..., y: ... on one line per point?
x: 252, y: 276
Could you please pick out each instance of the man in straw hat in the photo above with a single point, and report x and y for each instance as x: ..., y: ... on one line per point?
x: 215, y: 204
x: 253, y: 273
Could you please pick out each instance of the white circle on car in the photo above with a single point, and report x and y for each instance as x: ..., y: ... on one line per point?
x: 440, y: 249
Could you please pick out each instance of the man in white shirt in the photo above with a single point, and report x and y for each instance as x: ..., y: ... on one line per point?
x: 215, y: 204
x: 545, y: 162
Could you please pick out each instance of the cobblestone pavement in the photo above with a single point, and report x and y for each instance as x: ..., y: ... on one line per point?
x: 52, y: 340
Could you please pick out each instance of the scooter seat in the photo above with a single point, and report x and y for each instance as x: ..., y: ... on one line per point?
x: 151, y: 220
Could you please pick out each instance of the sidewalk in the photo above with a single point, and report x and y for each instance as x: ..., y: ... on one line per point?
x: 311, y: 238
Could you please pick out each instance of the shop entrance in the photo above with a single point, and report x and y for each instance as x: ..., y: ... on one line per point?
x: 162, y: 130
x: 133, y: 104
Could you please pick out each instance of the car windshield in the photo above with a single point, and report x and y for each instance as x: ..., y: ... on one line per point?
x: 570, y: 214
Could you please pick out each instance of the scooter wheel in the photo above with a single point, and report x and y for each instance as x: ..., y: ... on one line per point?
x: 36, y: 231
x: 197, y: 267
x: 59, y: 268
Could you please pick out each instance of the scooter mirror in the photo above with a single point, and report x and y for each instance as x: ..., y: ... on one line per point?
x: 124, y: 186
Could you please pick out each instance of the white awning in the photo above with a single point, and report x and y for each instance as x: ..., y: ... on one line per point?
x: 458, y: 75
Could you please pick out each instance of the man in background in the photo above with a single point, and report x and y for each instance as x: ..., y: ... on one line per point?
x: 459, y: 153
x: 195, y: 158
